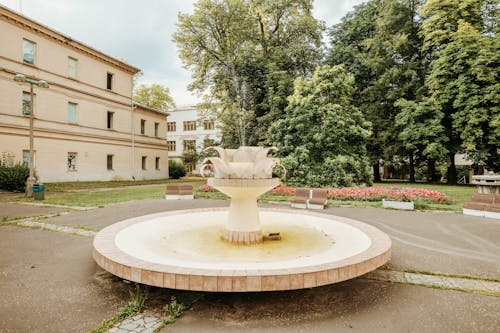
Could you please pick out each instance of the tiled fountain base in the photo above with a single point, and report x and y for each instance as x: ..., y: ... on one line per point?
x: 243, y: 237
x: 123, y: 251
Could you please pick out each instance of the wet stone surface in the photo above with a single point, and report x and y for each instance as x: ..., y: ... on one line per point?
x: 137, y: 324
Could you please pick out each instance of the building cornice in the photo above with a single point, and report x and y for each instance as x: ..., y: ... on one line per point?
x: 53, y: 35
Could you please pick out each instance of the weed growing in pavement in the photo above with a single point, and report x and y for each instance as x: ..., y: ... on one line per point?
x: 172, y: 310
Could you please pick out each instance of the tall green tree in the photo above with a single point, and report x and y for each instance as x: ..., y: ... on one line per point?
x: 155, y: 96
x: 464, y: 76
x: 322, y: 137
x: 246, y: 54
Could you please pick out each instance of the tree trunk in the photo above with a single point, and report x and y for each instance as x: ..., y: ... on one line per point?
x: 431, y: 171
x: 451, y: 172
x: 412, y: 169
x: 376, y: 172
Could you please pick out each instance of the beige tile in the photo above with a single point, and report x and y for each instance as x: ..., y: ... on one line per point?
x: 296, y: 281
x: 225, y: 283
x: 321, y: 278
x: 282, y: 282
x: 169, y: 280
x: 152, y: 278
x: 268, y: 282
x: 239, y: 283
x: 135, y: 274
x: 333, y: 275
x: 309, y: 280
x: 210, y: 283
x: 182, y: 281
x: 195, y: 282
x: 254, y: 283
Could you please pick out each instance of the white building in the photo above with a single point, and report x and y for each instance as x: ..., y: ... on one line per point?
x: 189, y: 130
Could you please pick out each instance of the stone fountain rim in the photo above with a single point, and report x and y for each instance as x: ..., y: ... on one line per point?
x: 112, y: 259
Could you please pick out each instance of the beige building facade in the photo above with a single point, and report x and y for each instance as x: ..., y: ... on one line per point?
x: 86, y: 126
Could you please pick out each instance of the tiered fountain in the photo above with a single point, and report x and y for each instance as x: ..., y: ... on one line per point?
x: 226, y: 250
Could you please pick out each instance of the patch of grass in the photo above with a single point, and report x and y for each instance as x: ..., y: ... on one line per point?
x: 137, y: 302
x: 172, y: 311
x: 71, y: 186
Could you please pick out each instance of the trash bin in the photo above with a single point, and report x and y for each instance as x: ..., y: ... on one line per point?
x: 38, y: 192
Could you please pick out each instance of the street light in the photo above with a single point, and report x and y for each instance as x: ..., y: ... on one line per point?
x: 42, y: 84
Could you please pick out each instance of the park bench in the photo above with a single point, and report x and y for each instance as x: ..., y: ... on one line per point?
x: 487, y: 205
x: 179, y: 192
x: 309, y: 198
x: 318, y: 199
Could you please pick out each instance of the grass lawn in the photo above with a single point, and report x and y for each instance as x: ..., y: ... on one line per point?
x: 64, y: 193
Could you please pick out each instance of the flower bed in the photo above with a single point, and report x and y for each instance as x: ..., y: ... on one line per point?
x: 206, y: 188
x: 375, y: 193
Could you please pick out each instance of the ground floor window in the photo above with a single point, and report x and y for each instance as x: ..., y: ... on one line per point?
x: 26, y: 157
x: 144, y: 163
x: 190, y: 167
x: 72, y: 161
x: 157, y: 163
x: 110, y: 162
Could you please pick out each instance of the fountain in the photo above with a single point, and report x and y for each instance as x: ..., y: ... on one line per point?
x: 226, y: 250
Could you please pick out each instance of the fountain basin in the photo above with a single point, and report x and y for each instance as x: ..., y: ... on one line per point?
x: 186, y: 250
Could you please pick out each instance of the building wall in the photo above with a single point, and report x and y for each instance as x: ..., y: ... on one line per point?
x: 190, y: 113
x: 54, y: 135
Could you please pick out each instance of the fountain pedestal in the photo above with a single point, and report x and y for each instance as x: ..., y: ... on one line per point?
x: 243, y: 224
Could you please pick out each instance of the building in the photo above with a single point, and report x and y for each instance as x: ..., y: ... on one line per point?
x: 85, y: 124
x: 189, y: 130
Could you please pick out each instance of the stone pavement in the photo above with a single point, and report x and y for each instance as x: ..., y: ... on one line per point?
x: 50, y: 283
x: 137, y: 324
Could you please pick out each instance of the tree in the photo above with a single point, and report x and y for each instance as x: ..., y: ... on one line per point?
x: 322, y: 135
x: 246, y: 54
x: 464, y: 79
x: 155, y: 96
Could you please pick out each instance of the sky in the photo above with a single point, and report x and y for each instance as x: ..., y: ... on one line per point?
x: 139, y: 32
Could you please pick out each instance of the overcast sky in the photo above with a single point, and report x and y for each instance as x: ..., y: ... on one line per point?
x: 139, y: 31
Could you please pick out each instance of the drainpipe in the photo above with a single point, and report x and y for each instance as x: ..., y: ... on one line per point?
x: 132, y: 135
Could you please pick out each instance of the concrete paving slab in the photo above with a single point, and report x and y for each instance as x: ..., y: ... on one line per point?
x: 436, y: 241
x: 101, y: 217
x: 11, y: 211
x: 50, y: 283
x: 352, y: 306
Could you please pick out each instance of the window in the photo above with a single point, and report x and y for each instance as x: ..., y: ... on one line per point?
x: 72, y: 113
x: 143, y: 126
x: 110, y: 119
x: 190, y: 125
x: 156, y: 129
x: 157, y: 163
x: 28, y: 52
x: 208, y: 125
x: 171, y: 145
x: 109, y: 162
x: 26, y: 157
x: 189, y: 145
x: 72, y: 64
x: 144, y: 163
x: 171, y: 126
x: 109, y: 81
x: 190, y: 167
x: 71, y: 161
x: 26, y: 103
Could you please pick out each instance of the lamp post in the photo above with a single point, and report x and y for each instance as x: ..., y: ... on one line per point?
x: 42, y: 84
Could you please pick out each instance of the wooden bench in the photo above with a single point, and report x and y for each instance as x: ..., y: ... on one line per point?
x: 318, y: 199
x: 309, y: 198
x: 486, y: 205
x: 301, y: 198
x: 179, y: 192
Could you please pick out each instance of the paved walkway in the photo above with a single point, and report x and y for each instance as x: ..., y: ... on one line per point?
x: 50, y: 283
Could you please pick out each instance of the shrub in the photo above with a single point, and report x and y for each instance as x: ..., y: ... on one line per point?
x: 176, y: 169
x: 14, y: 178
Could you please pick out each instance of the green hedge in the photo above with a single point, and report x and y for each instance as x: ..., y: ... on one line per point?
x: 14, y: 178
x: 176, y: 169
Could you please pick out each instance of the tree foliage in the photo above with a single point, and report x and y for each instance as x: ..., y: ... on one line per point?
x: 155, y: 96
x: 322, y: 135
x: 245, y: 54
